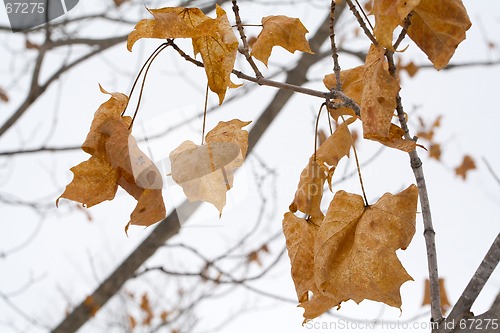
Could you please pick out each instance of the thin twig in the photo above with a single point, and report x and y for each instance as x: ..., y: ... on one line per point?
x: 476, y: 284
x: 335, y: 56
x: 361, y: 22
x: 404, y: 32
x: 245, y: 50
x: 490, y: 169
x: 429, y: 233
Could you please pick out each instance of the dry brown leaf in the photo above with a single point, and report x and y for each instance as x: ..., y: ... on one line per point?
x: 3, y: 95
x: 205, y: 172
x: 218, y: 51
x: 312, y: 179
x: 438, y: 27
x: 378, y: 99
x: 396, y: 140
x: 435, y: 151
x: 352, y: 81
x: 116, y: 160
x: 146, y: 308
x: 230, y: 131
x: 388, y: 15
x: 467, y: 165
x: 284, y: 31
x: 355, y: 248
x: 445, y: 303
x: 173, y: 22
x: 300, y: 235
x: 124, y: 153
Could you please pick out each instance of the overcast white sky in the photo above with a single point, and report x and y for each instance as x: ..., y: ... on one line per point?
x: 69, y: 255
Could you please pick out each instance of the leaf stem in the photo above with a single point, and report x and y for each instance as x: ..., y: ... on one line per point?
x: 316, y: 130
x: 358, y: 167
x: 163, y: 45
x: 150, y: 60
x: 204, y: 116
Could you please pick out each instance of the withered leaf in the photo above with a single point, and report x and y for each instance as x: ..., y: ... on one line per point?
x: 300, y: 236
x: 218, y: 51
x: 3, y: 95
x: 355, y: 248
x: 312, y: 179
x: 352, y: 82
x: 205, y: 172
x: 438, y: 27
x: 467, y: 165
x: 445, y: 303
x: 173, y: 22
x: 116, y: 160
x: 388, y: 15
x: 435, y: 151
x: 396, y: 140
x: 378, y: 100
x: 284, y: 31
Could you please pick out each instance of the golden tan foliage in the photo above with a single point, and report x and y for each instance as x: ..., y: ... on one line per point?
x: 213, y: 39
x: 312, y: 179
x: 388, y: 15
x: 435, y: 151
x: 284, y: 31
x: 352, y: 239
x: 218, y: 51
x: 445, y: 303
x: 173, y: 22
x: 116, y: 160
x: 467, y: 165
x: 438, y: 27
x: 146, y: 308
x: 205, y: 172
x: 90, y: 305
x: 378, y: 100
x: 3, y: 95
x: 352, y: 83
x: 300, y: 235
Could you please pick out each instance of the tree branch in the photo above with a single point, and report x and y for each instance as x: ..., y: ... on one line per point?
x: 476, y: 284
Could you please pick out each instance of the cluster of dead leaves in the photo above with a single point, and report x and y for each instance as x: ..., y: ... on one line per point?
x: 215, y: 40
x: 373, y: 88
x: 427, y: 132
x: 437, y: 26
x: 205, y: 172
x: 349, y: 253
x: 116, y: 160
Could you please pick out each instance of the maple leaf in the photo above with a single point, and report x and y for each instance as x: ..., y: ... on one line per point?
x: 438, y: 27
x: 353, y: 239
x: 388, y: 15
x: 310, y: 189
x: 467, y: 165
x: 352, y: 83
x: 284, y: 31
x: 173, y: 22
x: 396, y: 139
x: 445, y: 303
x: 218, y: 51
x: 378, y: 99
x: 205, y: 172
x: 116, y: 160
x: 3, y: 95
x: 435, y: 151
